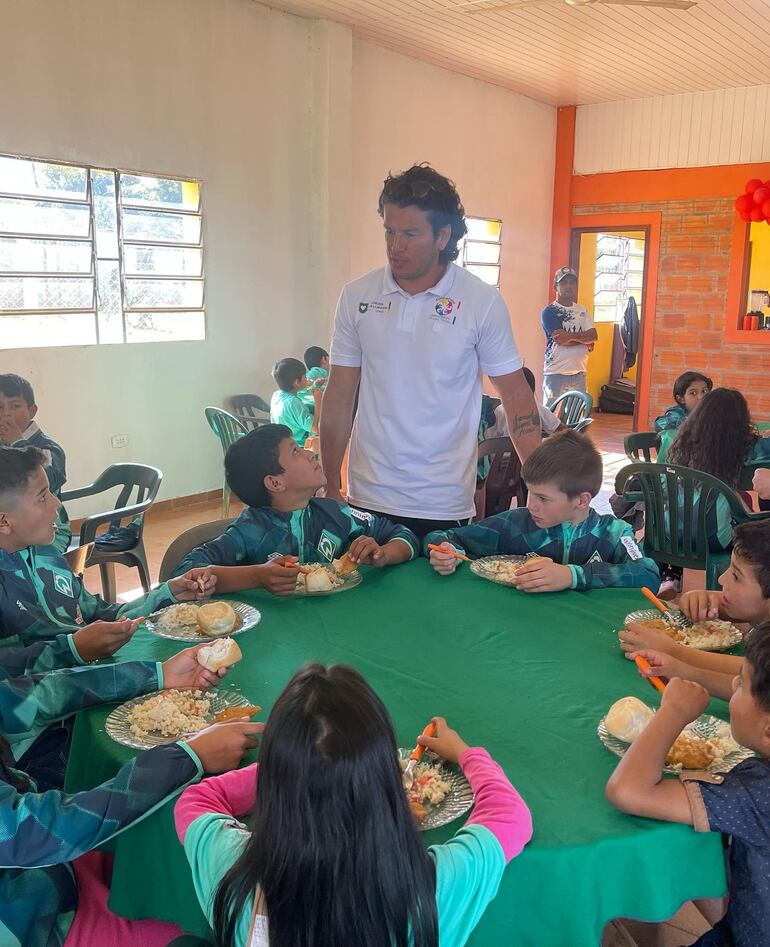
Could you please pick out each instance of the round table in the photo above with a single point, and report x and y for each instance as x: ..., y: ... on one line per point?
x: 527, y: 677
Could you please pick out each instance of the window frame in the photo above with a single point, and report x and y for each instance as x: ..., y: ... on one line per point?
x: 91, y: 240
x: 463, y: 244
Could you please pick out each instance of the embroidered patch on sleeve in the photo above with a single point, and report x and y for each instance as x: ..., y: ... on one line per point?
x: 631, y: 548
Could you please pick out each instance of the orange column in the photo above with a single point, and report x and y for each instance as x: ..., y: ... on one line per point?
x: 562, y: 190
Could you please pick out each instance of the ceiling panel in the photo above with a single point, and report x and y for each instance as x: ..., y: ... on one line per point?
x: 570, y: 55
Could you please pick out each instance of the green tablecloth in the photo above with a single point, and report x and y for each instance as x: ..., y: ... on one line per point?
x: 527, y: 677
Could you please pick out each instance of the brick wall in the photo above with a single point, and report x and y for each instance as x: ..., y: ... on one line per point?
x: 691, y: 307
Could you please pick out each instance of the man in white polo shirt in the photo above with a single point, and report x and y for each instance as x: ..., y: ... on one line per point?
x: 418, y: 334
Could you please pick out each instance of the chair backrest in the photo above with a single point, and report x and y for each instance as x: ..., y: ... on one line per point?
x: 503, y: 481
x: 571, y: 407
x: 678, y: 504
x: 639, y: 447
x: 251, y: 410
x: 187, y: 541
x: 227, y: 428
x: 582, y: 425
x: 139, y: 485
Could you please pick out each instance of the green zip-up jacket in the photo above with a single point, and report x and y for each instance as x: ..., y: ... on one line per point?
x: 42, y: 601
x: 601, y: 552
x: 320, y: 532
x: 40, y: 833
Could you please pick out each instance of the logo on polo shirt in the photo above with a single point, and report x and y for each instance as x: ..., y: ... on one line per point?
x: 376, y: 305
x: 63, y: 585
x: 444, y: 306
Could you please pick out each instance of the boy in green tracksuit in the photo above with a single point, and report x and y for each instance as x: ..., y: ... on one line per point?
x: 286, y: 406
x: 284, y: 520
x: 47, y: 617
x: 19, y: 429
x: 41, y: 833
x: 579, y: 548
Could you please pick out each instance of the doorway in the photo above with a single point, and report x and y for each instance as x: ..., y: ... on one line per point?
x: 612, y: 264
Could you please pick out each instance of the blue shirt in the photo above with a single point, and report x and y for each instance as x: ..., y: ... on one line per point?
x: 739, y: 806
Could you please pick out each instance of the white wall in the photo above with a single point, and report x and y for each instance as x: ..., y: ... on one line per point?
x: 697, y: 129
x: 213, y: 90
x: 496, y: 145
x: 291, y: 126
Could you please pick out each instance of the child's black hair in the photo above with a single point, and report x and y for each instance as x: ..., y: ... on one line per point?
x: 314, y: 355
x: 684, y: 381
x: 758, y: 656
x: 286, y: 372
x: 14, y: 386
x: 716, y: 437
x: 252, y: 458
x: 569, y: 460
x: 17, y: 464
x: 751, y: 541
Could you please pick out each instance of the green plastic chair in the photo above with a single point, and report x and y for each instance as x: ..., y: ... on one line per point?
x: 572, y: 407
x: 677, y: 502
x: 228, y: 429
x: 639, y: 447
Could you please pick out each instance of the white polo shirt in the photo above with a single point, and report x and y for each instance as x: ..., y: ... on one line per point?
x: 414, y: 444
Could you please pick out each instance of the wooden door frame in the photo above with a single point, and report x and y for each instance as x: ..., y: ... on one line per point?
x: 650, y: 225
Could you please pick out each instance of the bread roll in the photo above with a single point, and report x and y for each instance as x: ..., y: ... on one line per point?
x: 627, y: 718
x: 318, y: 581
x: 222, y: 654
x: 217, y: 618
x: 344, y: 565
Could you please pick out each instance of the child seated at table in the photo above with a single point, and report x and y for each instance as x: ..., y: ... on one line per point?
x: 736, y: 803
x: 51, y: 892
x: 316, y: 361
x: 719, y: 439
x: 331, y: 830
x: 286, y: 407
x: 284, y: 520
x: 576, y: 547
x: 19, y: 429
x: 745, y: 598
x: 46, y: 613
x: 689, y: 389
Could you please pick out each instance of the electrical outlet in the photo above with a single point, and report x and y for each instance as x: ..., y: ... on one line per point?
x: 119, y: 440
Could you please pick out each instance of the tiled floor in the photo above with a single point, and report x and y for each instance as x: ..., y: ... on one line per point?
x: 607, y: 432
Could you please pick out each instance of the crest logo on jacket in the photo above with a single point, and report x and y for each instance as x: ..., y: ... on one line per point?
x: 63, y: 585
x: 328, y: 545
x: 595, y: 557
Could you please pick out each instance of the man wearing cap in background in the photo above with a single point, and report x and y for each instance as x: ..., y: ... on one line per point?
x: 570, y: 336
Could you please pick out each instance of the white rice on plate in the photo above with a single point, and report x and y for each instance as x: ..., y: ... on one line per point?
x: 185, y: 613
x: 714, y: 633
x: 171, y: 713
x: 429, y: 784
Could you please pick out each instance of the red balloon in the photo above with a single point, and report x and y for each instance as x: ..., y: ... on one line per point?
x: 744, y: 202
x: 756, y: 214
x: 745, y: 215
x: 766, y: 208
x: 761, y: 194
x: 753, y: 184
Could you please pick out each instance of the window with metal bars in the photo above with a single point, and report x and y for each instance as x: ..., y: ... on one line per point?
x: 97, y: 256
x: 480, y: 248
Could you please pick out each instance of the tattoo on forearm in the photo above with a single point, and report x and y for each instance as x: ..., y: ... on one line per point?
x: 524, y: 423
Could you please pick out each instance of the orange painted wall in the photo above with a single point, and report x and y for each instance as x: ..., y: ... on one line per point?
x: 698, y: 276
